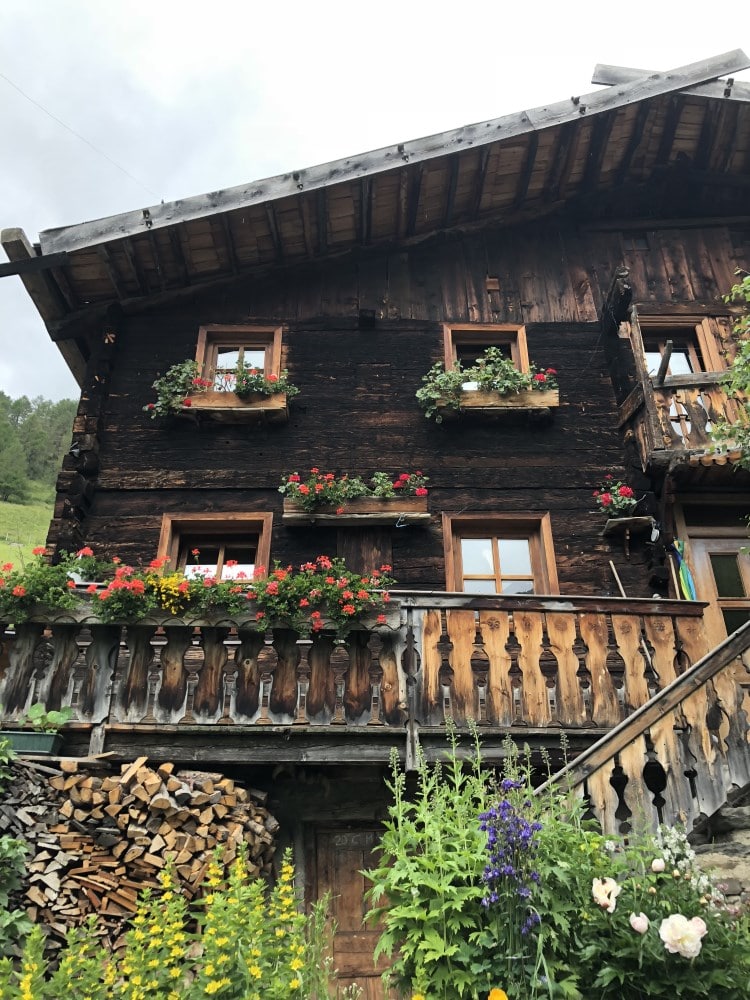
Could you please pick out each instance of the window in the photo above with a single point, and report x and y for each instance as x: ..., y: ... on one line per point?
x: 221, y: 348
x: 696, y: 344
x: 499, y: 554
x: 227, y: 546
x: 466, y: 343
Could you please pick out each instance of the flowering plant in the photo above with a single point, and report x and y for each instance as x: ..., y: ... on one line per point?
x: 320, y: 594
x: 248, y: 381
x: 614, y: 497
x: 175, y: 389
x: 325, y: 488
x: 39, y: 583
x: 493, y: 372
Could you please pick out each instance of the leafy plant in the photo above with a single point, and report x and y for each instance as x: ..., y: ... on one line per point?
x: 737, y: 382
x: 39, y: 583
x: 45, y: 721
x: 14, y: 924
x: 243, y: 942
x: 173, y: 389
x: 250, y: 381
x: 493, y: 372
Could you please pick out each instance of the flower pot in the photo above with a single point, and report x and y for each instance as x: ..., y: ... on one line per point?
x: 361, y: 510
x: 228, y: 407
x: 31, y: 741
x: 488, y: 403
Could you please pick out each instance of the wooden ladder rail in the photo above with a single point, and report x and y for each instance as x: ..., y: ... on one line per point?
x: 669, y: 698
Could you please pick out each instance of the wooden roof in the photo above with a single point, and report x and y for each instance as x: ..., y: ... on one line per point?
x: 518, y: 167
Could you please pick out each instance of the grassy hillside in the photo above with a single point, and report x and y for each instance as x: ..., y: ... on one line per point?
x: 23, y: 526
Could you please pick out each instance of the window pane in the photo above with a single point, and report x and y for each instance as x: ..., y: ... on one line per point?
x: 679, y: 362
x: 255, y: 358
x: 727, y: 575
x: 653, y: 360
x: 734, y: 618
x: 227, y: 357
x: 518, y: 587
x: 515, y: 557
x: 476, y: 555
x: 479, y: 587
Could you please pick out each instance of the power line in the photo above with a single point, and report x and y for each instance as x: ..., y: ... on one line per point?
x: 78, y: 136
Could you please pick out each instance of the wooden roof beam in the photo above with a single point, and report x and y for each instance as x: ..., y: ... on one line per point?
x: 452, y: 184
x: 730, y: 89
x: 322, y: 212
x: 135, y: 267
x: 157, y: 259
x: 479, y: 182
x: 105, y: 254
x: 229, y: 243
x: 365, y: 210
x: 42, y: 290
x: 273, y: 225
x: 418, y: 151
x: 597, y: 151
x: 634, y: 142
x: 412, y: 198
x: 528, y: 169
x: 177, y: 252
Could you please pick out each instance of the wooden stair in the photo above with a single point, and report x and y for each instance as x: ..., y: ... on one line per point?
x: 680, y: 756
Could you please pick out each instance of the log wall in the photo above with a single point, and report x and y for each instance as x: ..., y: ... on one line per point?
x: 356, y: 411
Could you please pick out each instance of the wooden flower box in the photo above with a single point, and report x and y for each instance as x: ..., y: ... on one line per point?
x: 360, y: 511
x: 228, y: 407
x: 476, y: 402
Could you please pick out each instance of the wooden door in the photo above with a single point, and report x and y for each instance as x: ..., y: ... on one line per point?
x: 722, y: 577
x: 340, y: 855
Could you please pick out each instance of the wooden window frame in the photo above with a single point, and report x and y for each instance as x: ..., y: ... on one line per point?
x: 175, y: 526
x: 536, y: 527
x: 266, y: 337
x: 487, y: 335
x: 647, y: 325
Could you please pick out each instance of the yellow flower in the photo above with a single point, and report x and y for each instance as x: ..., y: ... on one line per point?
x: 295, y: 984
x: 296, y: 963
x: 497, y: 994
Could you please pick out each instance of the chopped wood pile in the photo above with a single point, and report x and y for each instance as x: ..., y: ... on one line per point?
x: 96, y: 840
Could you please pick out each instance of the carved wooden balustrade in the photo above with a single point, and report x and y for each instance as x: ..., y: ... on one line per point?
x: 531, y: 666
x: 680, y: 756
x: 672, y: 421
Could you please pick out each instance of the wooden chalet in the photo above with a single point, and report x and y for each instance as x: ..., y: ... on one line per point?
x: 595, y: 236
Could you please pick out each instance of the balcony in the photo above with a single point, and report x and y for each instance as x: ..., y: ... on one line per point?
x: 534, y: 668
x: 671, y: 421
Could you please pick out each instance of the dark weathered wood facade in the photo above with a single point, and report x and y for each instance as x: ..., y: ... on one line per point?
x: 527, y: 220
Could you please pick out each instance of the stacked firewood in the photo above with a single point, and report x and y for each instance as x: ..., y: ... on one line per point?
x: 97, y: 839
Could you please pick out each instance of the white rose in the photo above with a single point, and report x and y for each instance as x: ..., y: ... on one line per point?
x: 682, y: 936
x: 605, y: 892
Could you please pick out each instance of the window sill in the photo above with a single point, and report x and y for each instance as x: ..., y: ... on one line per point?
x: 492, y: 402
x: 362, y: 510
x: 228, y: 407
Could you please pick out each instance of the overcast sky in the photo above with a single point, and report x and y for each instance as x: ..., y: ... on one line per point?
x: 190, y: 97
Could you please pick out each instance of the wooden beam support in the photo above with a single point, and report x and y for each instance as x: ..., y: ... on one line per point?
x: 365, y: 210
x: 229, y: 243
x: 634, y: 142
x: 412, y: 201
x: 275, y: 236
x: 617, y: 302
x: 676, y: 105
x: 419, y: 151
x: 303, y: 207
x: 135, y: 267
x: 450, y: 199
x: 105, y: 254
x: 664, y: 363
x: 479, y: 182
x: 157, y: 259
x: 66, y: 289
x: 322, y: 207
x: 175, y: 232
x: 597, y: 151
x: 32, y: 265
x: 729, y: 90
x: 528, y: 169
x: 562, y: 161
x: 42, y: 290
